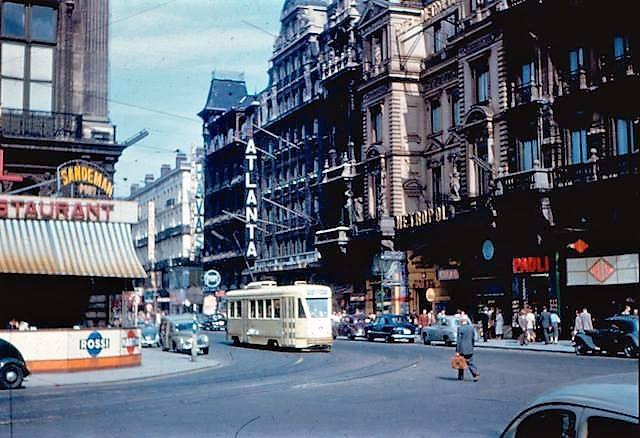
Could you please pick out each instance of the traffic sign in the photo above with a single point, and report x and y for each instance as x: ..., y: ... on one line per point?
x: 212, y: 278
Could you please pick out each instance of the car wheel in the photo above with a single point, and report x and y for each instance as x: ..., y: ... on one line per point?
x: 579, y: 350
x: 425, y: 340
x: 174, y: 347
x: 205, y: 350
x: 447, y: 342
x: 236, y: 341
x: 11, y: 377
x: 389, y: 339
x: 411, y: 341
x: 370, y: 337
x: 352, y: 337
x: 629, y: 350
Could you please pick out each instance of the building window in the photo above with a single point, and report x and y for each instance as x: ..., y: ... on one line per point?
x: 620, y: 47
x: 27, y: 67
x: 626, y: 136
x: 482, y: 178
x: 529, y: 154
x: 482, y: 83
x: 576, y: 60
x: 579, y: 152
x: 376, y: 124
x: 527, y: 73
x: 436, y: 117
x: 436, y: 184
x: 454, y: 99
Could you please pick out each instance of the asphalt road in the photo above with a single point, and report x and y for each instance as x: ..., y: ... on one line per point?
x: 359, y: 389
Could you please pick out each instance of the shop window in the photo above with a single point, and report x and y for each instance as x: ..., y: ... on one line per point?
x: 579, y: 150
x: 436, y: 117
x: 529, y: 153
x: 626, y: 136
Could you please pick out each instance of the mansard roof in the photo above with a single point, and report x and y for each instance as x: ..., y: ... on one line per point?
x: 223, y: 95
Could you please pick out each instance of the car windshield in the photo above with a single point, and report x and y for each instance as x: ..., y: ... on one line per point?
x: 184, y: 326
x: 318, y: 307
x: 400, y: 319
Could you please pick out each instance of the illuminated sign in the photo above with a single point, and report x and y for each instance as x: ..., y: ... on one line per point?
x: 448, y: 274
x: 530, y: 265
x: 251, y: 202
x: 424, y: 217
x: 84, y: 179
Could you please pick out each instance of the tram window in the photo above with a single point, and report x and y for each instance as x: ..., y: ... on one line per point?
x: 252, y: 311
x: 276, y: 308
x: 229, y: 309
x: 301, y: 313
x: 239, y: 309
x: 260, y: 308
x: 269, y: 311
x: 318, y: 307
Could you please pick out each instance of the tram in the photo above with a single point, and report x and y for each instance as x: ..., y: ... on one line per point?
x: 296, y: 316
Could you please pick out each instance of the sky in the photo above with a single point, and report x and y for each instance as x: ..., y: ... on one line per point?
x: 162, y: 54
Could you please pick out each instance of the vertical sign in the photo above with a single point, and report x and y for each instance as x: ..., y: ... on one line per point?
x: 151, y: 232
x: 251, y: 202
x: 197, y: 212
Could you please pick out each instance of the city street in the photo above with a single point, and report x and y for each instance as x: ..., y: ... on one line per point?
x: 359, y: 389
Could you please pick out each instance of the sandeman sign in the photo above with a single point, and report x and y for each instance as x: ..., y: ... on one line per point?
x: 83, y: 179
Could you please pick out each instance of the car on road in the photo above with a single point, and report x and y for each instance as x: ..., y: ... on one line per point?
x: 603, y: 407
x: 150, y: 336
x: 13, y: 368
x: 444, y: 330
x: 352, y: 326
x: 391, y: 328
x: 618, y: 334
x: 176, y: 334
x: 215, y: 322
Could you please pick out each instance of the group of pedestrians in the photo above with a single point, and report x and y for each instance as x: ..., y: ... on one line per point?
x: 492, y: 321
x: 533, y: 325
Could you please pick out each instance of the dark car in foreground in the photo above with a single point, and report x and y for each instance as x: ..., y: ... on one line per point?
x: 391, y: 328
x: 13, y: 368
x: 352, y: 326
x: 602, y: 407
x: 618, y: 334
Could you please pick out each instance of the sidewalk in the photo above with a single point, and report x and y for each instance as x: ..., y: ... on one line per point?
x: 155, y: 363
x: 512, y: 344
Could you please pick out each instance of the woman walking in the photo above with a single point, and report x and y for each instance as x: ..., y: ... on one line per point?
x: 499, y: 324
x: 555, y: 321
x: 577, y: 325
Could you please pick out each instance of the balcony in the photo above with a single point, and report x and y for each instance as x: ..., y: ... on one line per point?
x: 598, y: 170
x: 576, y: 81
x: 295, y: 261
x: 372, y: 71
x: 336, y: 238
x: 343, y: 62
x: 533, y: 180
x: 338, y: 168
x: 524, y: 94
x: 40, y: 124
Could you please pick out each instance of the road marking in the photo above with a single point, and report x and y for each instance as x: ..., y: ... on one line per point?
x: 299, y: 361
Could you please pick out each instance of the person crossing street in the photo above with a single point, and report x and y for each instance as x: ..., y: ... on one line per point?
x: 464, y: 347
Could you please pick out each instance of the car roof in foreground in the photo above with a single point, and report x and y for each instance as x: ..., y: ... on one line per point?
x: 616, y: 393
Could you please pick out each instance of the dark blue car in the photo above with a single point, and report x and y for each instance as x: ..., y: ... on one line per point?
x: 13, y: 368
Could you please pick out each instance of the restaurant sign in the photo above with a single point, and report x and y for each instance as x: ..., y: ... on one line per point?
x: 79, y: 178
x: 67, y: 209
x: 419, y: 218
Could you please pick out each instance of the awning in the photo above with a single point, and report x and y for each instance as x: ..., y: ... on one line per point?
x: 89, y: 249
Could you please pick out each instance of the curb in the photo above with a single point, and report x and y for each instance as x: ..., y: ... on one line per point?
x: 536, y: 350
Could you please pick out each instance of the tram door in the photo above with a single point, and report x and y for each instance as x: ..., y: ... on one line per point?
x: 288, y: 321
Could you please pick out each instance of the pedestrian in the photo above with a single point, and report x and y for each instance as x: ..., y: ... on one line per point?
x: 555, y: 323
x: 515, y: 326
x: 627, y: 310
x: 499, y: 323
x: 587, y: 322
x: 431, y: 318
x: 545, y: 322
x: 441, y: 315
x: 13, y: 324
x: 464, y: 347
x: 484, y: 318
x: 531, y: 325
x: 577, y: 325
x: 423, y: 320
x: 522, y: 322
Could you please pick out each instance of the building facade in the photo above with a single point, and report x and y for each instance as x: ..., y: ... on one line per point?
x: 168, y: 235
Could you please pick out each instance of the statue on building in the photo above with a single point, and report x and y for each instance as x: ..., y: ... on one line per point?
x: 454, y: 185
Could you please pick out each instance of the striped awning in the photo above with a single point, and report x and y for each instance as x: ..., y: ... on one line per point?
x: 89, y: 249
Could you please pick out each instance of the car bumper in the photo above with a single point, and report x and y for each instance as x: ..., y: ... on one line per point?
x: 403, y: 336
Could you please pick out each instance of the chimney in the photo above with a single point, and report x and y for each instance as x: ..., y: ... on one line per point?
x: 134, y: 189
x: 165, y: 169
x: 181, y: 158
x: 148, y: 179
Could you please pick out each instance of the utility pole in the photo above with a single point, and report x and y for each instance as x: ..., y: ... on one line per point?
x: 194, y: 337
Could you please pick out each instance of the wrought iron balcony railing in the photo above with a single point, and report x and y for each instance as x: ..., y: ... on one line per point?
x: 525, y: 93
x: 40, y: 124
x: 601, y: 169
x: 536, y: 179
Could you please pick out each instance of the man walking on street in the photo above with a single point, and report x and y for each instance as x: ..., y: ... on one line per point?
x: 464, y: 347
x: 423, y: 320
x: 545, y: 321
x: 484, y: 317
x: 587, y: 322
x: 523, y: 339
x: 577, y: 325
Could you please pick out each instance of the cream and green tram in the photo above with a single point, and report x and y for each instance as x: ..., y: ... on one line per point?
x: 296, y: 316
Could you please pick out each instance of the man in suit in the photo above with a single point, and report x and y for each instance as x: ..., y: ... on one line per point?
x: 464, y: 347
x: 545, y: 321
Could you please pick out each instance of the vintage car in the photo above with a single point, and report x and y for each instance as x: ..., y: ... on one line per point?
x: 604, y: 406
x: 150, y: 337
x: 391, y: 328
x: 352, y: 326
x: 618, y: 334
x: 176, y: 334
x: 444, y: 330
x: 213, y: 322
x: 13, y: 368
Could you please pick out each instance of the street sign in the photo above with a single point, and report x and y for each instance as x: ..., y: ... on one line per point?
x: 212, y: 278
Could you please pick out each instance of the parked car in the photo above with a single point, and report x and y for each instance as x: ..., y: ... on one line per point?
x: 352, y: 326
x: 444, y: 330
x: 618, y: 334
x: 13, y: 368
x: 391, y: 328
x: 601, y: 407
x: 214, y: 322
x: 150, y: 336
x: 176, y: 334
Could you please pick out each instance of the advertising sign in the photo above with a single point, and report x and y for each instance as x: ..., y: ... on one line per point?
x: 81, y: 178
x: 212, y: 279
